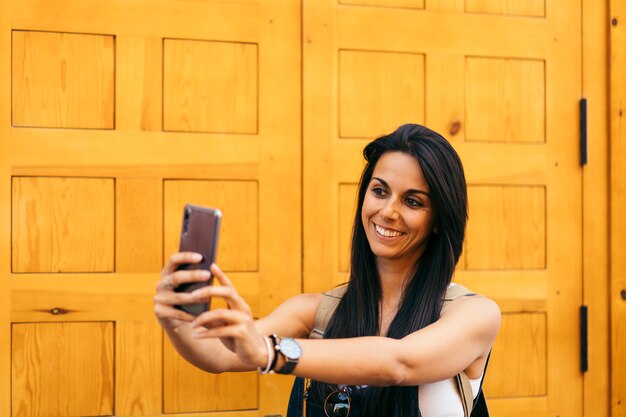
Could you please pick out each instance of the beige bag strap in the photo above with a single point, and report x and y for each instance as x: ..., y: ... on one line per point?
x: 465, y: 389
x: 330, y: 301
x: 325, y: 310
x: 462, y: 380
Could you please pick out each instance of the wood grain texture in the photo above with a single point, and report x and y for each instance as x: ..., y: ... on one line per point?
x: 138, y: 368
x: 507, y: 7
x: 517, y: 367
x: 446, y: 5
x: 63, y: 224
x: 319, y: 168
x: 273, y: 157
x: 189, y: 389
x: 407, y: 4
x: 445, y: 94
x: 90, y: 297
x: 596, y: 186
x: 347, y: 209
x: 138, y: 156
x: 504, y: 89
x: 63, y: 80
x: 519, y: 407
x: 138, y: 224
x: 63, y: 369
x: 512, y: 92
x: 379, y: 91
x: 210, y: 86
x: 564, y: 227
x: 514, y: 220
x: 5, y: 211
x: 618, y: 208
x: 138, y: 83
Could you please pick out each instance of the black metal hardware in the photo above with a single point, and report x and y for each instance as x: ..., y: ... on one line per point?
x: 584, y: 340
x: 583, y: 131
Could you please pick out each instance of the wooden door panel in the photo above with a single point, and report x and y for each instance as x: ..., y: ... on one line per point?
x: 63, y: 224
x: 138, y: 224
x: 519, y: 407
x: 507, y: 228
x: 378, y: 90
x: 210, y: 86
x: 77, y: 363
x: 138, y: 368
x: 512, y: 93
x: 519, y: 357
x: 139, y: 108
x: 63, y: 80
x: 502, y: 83
x: 187, y: 389
x: 139, y: 83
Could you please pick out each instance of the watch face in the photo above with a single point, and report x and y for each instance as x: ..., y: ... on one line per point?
x: 290, y: 348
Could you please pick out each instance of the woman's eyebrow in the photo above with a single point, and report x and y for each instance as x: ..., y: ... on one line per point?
x: 409, y: 191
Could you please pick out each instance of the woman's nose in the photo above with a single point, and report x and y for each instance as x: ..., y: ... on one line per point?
x: 390, y: 210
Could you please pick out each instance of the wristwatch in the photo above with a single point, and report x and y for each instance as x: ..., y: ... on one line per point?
x: 291, y: 351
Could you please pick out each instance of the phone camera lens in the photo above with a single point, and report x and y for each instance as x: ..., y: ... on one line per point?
x: 186, y: 220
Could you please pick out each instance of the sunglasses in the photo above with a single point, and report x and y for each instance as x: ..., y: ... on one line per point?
x: 337, y: 404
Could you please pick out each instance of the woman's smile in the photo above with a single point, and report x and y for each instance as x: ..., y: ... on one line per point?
x: 386, y: 232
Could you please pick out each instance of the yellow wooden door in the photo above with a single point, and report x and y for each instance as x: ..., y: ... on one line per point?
x: 113, y: 115
x: 501, y: 80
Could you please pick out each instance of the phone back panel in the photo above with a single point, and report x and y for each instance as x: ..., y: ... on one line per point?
x: 199, y: 233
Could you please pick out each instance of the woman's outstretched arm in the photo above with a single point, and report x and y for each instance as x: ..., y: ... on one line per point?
x: 293, y: 318
x: 459, y: 341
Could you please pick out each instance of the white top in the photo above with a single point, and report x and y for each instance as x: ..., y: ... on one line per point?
x: 442, y: 399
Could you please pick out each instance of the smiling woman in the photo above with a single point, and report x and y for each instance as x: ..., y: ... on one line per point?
x: 400, y: 332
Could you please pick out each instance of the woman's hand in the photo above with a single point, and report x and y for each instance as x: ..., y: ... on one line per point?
x: 166, y: 298
x: 234, y: 326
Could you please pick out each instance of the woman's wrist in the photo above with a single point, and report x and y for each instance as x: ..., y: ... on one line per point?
x: 270, y: 357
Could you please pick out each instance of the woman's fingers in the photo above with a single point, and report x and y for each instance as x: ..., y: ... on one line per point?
x: 181, y: 258
x: 221, y: 317
x: 170, y: 281
x: 174, y: 298
x: 233, y: 300
x: 226, y: 290
x: 220, y: 275
x: 166, y: 311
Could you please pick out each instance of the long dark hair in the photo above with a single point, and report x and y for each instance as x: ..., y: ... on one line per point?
x: 358, y: 312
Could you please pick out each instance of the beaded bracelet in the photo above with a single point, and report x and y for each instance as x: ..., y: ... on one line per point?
x: 270, y: 357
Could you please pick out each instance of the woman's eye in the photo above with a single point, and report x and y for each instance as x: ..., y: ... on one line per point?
x: 379, y: 192
x: 413, y: 202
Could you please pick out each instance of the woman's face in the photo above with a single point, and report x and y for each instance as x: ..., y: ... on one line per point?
x: 397, y: 211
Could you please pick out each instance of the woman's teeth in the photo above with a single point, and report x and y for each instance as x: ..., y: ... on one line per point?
x: 386, y: 232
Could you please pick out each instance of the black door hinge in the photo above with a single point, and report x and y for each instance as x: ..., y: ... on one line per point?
x: 583, y: 131
x: 584, y: 340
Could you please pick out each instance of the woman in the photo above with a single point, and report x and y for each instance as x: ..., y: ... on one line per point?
x: 391, y: 344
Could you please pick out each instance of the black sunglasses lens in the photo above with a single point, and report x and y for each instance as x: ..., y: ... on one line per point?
x: 337, y: 404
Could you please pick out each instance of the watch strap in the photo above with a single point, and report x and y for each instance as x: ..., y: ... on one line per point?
x: 287, y: 368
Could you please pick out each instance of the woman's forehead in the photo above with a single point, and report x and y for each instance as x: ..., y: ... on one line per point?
x: 402, y: 170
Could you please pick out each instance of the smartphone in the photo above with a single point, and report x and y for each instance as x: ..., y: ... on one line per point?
x: 199, y: 233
